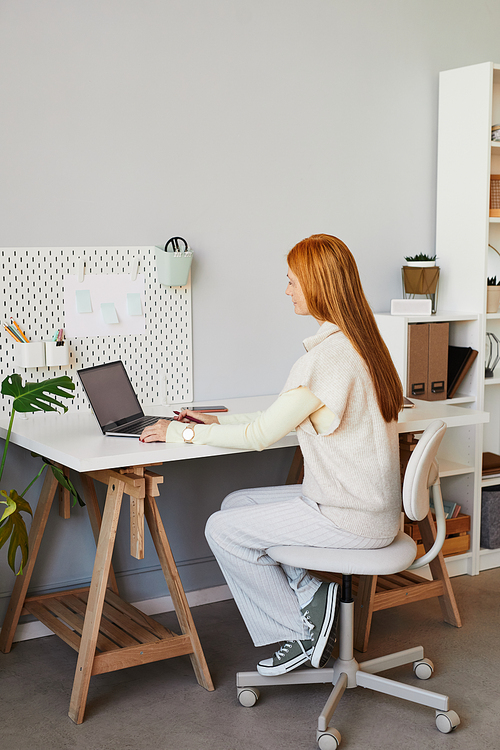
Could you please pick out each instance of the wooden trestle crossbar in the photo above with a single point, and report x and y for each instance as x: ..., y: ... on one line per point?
x: 107, y: 632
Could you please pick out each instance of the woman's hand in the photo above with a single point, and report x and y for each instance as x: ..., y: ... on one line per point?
x: 155, y: 433
x: 198, y: 416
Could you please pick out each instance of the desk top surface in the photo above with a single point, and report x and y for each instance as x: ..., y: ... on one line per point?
x: 75, y: 440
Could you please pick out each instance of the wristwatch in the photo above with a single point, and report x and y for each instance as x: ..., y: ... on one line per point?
x: 188, y: 434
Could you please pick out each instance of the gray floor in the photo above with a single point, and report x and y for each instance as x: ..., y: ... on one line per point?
x: 160, y: 706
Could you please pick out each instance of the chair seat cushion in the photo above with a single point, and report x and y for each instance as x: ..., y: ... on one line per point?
x: 394, y: 558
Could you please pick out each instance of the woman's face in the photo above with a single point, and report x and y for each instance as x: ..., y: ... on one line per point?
x: 294, y: 291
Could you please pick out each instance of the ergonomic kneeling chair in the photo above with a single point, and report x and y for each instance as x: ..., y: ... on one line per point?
x: 421, y: 476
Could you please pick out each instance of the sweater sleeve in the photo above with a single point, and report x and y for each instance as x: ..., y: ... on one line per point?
x: 330, y: 372
x: 228, y: 418
x: 284, y: 415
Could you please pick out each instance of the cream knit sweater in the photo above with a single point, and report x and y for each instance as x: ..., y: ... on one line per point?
x: 352, y: 470
x: 351, y: 455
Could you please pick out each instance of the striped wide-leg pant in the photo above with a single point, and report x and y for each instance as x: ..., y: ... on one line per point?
x: 269, y: 595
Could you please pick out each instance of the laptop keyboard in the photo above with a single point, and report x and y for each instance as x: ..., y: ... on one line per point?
x: 136, y: 427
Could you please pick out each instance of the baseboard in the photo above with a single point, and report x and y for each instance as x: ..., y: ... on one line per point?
x: 29, y: 630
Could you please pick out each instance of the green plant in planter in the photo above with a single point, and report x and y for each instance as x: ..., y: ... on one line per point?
x: 492, y: 281
x: 30, y: 397
x: 420, y: 257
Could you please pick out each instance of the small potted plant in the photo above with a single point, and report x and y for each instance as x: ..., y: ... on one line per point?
x: 30, y: 397
x: 421, y: 277
x: 421, y: 260
x: 493, y: 294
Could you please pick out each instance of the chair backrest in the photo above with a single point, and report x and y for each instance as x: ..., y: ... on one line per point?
x: 422, y: 477
x: 421, y: 472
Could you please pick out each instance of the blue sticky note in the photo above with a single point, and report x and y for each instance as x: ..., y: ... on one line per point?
x: 83, y: 301
x: 134, y: 305
x: 108, y: 312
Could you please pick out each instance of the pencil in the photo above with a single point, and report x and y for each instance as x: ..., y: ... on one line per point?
x: 22, y: 334
x: 15, y: 336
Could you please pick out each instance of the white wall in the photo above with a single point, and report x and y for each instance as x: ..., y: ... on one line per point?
x: 243, y: 125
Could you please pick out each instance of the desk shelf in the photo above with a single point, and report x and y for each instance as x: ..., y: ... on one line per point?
x: 127, y: 637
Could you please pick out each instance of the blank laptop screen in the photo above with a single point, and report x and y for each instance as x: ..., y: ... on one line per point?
x: 110, y: 393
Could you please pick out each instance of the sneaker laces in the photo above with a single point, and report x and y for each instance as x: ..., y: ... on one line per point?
x: 308, y: 622
x: 283, y: 650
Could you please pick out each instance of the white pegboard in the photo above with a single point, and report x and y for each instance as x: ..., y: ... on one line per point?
x: 159, y: 362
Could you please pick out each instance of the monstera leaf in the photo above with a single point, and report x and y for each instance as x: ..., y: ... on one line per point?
x: 30, y: 397
x: 13, y: 527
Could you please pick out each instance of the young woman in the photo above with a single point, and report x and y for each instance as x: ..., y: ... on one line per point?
x: 343, y: 397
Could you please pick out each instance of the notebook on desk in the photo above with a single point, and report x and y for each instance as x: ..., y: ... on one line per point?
x: 113, y: 400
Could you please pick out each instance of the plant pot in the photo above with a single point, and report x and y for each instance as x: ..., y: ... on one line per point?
x: 492, y: 299
x: 421, y: 280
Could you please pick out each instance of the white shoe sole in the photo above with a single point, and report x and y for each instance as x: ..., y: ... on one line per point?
x: 327, y: 637
x: 272, y: 671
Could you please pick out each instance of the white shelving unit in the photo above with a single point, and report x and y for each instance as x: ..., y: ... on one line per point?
x: 469, y: 104
x: 459, y: 455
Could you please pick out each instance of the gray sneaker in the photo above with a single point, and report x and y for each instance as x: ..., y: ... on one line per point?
x: 290, y: 656
x: 321, y: 617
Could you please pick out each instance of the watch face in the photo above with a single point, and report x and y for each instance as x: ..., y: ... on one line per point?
x: 188, y: 434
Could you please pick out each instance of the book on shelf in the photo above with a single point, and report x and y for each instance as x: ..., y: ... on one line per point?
x: 451, y: 510
x: 491, y: 464
x: 460, y: 359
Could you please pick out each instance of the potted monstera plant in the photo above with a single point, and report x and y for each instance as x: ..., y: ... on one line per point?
x: 30, y: 397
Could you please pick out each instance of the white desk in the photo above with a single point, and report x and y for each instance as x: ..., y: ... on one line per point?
x: 125, y: 636
x: 74, y: 439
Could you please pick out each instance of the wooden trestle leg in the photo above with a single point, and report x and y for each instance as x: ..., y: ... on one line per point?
x: 95, y: 602
x: 107, y: 632
x: 127, y: 637
x: 175, y: 588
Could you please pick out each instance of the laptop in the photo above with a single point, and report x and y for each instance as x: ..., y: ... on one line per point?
x: 113, y: 400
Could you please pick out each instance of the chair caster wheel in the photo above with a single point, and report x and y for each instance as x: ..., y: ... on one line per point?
x: 447, y: 721
x: 329, y: 739
x: 248, y: 696
x: 423, y: 669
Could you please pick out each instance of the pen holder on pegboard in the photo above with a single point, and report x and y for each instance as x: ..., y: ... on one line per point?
x: 173, y: 263
x: 30, y: 355
x: 56, y: 353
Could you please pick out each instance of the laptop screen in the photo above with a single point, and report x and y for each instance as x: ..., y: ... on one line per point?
x: 110, y: 393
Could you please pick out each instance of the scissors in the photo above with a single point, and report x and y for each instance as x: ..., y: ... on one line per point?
x: 173, y: 245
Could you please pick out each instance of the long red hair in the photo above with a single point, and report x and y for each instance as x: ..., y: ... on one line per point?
x: 329, y: 278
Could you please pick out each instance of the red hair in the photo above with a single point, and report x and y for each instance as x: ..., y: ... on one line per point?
x: 329, y: 279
